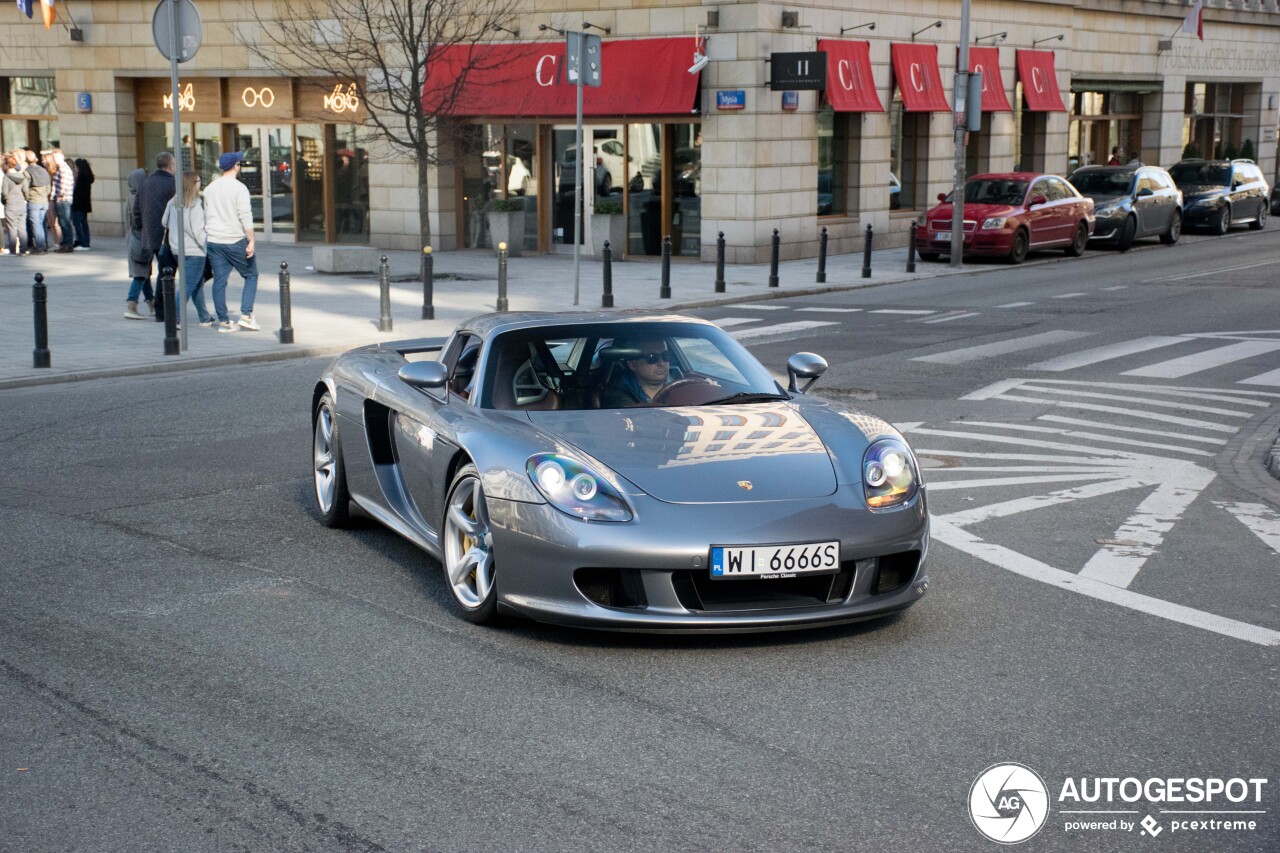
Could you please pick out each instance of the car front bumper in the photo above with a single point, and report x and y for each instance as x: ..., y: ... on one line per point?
x: 975, y: 243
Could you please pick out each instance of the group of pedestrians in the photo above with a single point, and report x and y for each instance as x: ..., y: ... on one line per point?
x: 44, y: 198
x: 217, y: 236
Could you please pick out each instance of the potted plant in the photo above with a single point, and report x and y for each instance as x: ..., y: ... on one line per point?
x: 506, y: 224
x: 608, y: 222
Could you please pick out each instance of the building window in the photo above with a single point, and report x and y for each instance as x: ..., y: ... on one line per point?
x: 28, y: 113
x: 908, y: 156
x: 1214, y: 124
x: 1101, y: 121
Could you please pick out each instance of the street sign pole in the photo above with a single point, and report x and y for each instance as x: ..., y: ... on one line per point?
x: 180, y: 274
x: 958, y: 100
x: 576, y: 69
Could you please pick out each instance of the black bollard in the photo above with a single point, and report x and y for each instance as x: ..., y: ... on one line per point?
x: 606, y: 298
x: 664, y: 292
x: 773, y: 259
x: 170, y: 301
x: 286, y: 306
x: 502, y: 277
x: 384, y: 297
x: 40, y: 303
x: 822, y: 257
x: 720, y: 263
x: 911, y: 249
x: 428, y: 284
x: 866, y: 255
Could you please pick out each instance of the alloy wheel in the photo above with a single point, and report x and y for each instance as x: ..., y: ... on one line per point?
x: 468, y: 544
x: 326, y: 464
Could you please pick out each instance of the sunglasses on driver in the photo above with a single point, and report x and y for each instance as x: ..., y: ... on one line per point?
x: 655, y: 357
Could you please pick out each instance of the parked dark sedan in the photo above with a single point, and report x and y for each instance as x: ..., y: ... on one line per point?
x: 1131, y: 202
x: 1222, y: 193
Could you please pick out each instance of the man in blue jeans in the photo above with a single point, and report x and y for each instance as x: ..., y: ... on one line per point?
x: 39, y: 190
x: 63, y: 186
x: 229, y: 242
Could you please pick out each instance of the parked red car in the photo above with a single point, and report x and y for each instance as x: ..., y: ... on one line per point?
x: 1010, y: 214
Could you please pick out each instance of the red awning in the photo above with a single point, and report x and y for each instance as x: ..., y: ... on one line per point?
x: 1040, y: 81
x: 916, y: 68
x: 987, y: 61
x: 638, y: 77
x: 850, y: 86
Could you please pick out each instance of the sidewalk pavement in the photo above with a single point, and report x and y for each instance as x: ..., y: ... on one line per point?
x: 88, y: 335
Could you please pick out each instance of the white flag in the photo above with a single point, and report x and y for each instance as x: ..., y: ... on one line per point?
x: 1194, y: 21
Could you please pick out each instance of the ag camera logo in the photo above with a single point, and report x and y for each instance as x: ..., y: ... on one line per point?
x: 1008, y: 803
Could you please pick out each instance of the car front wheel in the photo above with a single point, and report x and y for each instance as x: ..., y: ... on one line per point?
x: 1261, y: 222
x: 1079, y: 241
x: 333, y: 500
x: 469, y: 565
x: 1175, y: 230
x: 928, y: 257
x: 1127, y: 233
x: 1018, y: 251
x: 1222, y: 224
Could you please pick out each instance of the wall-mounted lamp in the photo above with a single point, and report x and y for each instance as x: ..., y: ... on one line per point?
x: 790, y: 19
x: 542, y: 28
x: 870, y: 26
x: 935, y: 24
x: 587, y: 26
x: 713, y: 19
x: 501, y: 29
x: 1059, y: 37
x: 996, y: 38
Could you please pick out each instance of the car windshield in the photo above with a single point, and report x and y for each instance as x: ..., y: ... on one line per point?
x: 995, y: 191
x: 1102, y: 182
x: 622, y: 365
x: 1218, y: 174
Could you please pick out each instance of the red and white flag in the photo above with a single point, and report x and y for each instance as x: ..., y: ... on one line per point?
x: 1194, y: 21
x: 47, y: 11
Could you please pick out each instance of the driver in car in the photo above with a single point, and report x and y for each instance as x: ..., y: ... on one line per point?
x: 642, y: 378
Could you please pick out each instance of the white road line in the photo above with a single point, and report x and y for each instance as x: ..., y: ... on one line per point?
x: 1041, y: 339
x: 1179, y: 367
x: 1209, y: 426
x: 1233, y: 396
x: 1068, y: 295
x: 1260, y: 518
x: 1271, y: 377
x: 977, y: 515
x: 726, y: 322
x: 756, y: 306
x: 1203, y: 439
x: 1210, y: 272
x: 1032, y: 387
x: 1118, y: 564
x: 962, y: 540
x: 907, y: 427
x: 779, y: 329
x: 995, y: 389
x: 1095, y: 436
x: 1116, y: 287
x: 1106, y: 353
x: 831, y: 310
x: 1028, y: 442
x: 1016, y: 481
x: 951, y: 317
x: 1015, y: 304
x: 1119, y: 460
x: 901, y: 311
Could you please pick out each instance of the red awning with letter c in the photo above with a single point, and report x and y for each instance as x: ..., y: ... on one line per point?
x: 850, y: 86
x: 916, y: 68
x: 638, y: 77
x: 986, y: 60
x: 1040, y: 81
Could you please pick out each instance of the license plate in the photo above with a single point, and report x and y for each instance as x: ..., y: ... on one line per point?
x: 942, y: 236
x: 810, y: 558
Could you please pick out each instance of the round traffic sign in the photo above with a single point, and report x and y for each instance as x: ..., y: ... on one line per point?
x: 187, y: 31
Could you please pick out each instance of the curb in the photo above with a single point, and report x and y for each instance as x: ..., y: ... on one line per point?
x: 1273, y: 459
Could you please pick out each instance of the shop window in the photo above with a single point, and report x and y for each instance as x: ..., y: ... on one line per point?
x: 1214, y: 124
x: 309, y: 146
x: 837, y: 149
x: 350, y: 163
x: 644, y: 194
x: 908, y: 156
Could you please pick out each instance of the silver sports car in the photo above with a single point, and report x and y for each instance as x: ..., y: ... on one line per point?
x: 623, y: 471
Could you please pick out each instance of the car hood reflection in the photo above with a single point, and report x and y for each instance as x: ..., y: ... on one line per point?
x: 706, y: 454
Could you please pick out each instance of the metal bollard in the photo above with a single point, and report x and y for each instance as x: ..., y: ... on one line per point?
x: 606, y: 298
x: 773, y: 259
x: 720, y: 263
x: 822, y: 257
x: 911, y: 249
x: 286, y: 306
x: 428, y: 284
x: 502, y: 277
x: 167, y: 294
x: 665, y: 291
x: 866, y: 254
x: 40, y: 303
x: 384, y: 297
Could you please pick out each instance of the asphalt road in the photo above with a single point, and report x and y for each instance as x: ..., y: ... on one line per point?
x: 189, y: 661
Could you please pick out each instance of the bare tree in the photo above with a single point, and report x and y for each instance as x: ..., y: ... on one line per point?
x: 394, y: 52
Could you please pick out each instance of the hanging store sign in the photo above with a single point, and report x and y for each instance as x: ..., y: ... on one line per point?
x: 259, y: 98
x: 199, y: 99
x: 798, y: 71
x: 325, y: 99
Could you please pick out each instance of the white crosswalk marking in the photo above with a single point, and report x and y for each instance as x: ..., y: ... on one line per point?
x: 830, y: 310
x: 1069, y: 295
x: 1015, y: 304
x: 726, y: 322
x: 967, y: 354
x: 1271, y: 377
x: 901, y: 311
x: 779, y: 329
x: 951, y: 317
x: 756, y: 306
x: 1178, y: 367
x: 1108, y: 352
x: 1260, y: 518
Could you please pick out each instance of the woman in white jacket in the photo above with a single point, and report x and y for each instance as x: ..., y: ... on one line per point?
x: 193, y: 228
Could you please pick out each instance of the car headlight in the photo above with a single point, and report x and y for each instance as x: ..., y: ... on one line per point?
x: 1110, y: 209
x: 1200, y: 202
x: 575, y: 489
x: 889, y: 474
x: 994, y: 223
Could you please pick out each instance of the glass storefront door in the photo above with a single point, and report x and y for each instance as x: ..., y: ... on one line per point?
x: 268, y: 173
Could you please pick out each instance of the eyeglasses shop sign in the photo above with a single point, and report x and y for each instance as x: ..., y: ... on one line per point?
x: 798, y: 71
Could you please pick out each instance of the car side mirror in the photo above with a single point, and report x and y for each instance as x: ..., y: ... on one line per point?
x: 1235, y: 185
x: 1038, y: 199
x: 942, y: 197
x: 1145, y: 191
x: 425, y: 375
x: 804, y: 365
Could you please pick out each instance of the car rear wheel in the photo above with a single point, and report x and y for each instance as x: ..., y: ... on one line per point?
x: 1079, y: 241
x: 469, y: 566
x: 1175, y: 230
x: 1261, y: 222
x: 1222, y: 224
x: 1018, y: 251
x: 333, y: 500
x: 1128, y: 231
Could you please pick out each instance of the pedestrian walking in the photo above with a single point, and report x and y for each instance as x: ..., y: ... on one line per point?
x: 39, y: 189
x: 64, y: 184
x: 229, y: 228
x: 82, y: 203
x: 193, y: 228
x: 139, y: 258
x: 1116, y: 154
x: 154, y: 195
x: 13, y: 191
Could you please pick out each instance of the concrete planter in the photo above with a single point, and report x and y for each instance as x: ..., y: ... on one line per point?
x: 611, y: 227
x: 507, y: 227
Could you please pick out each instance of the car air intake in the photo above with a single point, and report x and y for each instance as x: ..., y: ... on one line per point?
x: 697, y: 591
x: 611, y: 587
x: 895, y: 571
